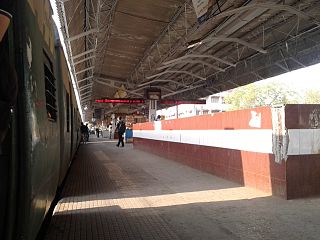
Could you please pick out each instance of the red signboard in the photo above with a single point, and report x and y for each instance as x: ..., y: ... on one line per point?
x: 122, y: 100
x: 142, y: 101
x: 177, y: 102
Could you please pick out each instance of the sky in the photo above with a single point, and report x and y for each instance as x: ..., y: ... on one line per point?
x: 301, y: 79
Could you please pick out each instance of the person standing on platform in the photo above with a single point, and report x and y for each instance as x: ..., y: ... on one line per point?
x: 97, y: 132
x: 83, y: 130
x: 110, y: 130
x: 121, y: 127
x: 87, y: 132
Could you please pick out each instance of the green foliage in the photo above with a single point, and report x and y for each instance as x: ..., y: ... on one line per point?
x: 259, y: 94
x: 312, y: 96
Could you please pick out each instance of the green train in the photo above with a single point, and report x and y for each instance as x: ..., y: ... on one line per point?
x: 39, y: 117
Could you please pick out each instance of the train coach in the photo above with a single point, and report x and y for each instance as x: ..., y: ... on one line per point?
x: 40, y: 120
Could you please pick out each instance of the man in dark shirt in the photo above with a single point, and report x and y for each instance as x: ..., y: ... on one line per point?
x: 121, y: 128
x: 87, y: 132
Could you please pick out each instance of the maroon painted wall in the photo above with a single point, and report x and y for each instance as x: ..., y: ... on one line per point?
x: 257, y: 170
x: 296, y: 176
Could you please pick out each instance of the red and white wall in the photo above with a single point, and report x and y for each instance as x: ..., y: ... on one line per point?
x: 276, y: 150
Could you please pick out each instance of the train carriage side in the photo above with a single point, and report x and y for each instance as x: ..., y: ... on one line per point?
x: 64, y: 105
x: 38, y: 134
x: 8, y: 159
x: 45, y: 123
x: 75, y: 125
x: 77, y: 129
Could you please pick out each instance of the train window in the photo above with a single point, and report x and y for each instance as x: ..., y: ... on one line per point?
x: 50, y: 90
x: 68, y: 111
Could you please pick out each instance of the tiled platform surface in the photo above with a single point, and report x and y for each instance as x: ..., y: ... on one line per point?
x: 122, y: 193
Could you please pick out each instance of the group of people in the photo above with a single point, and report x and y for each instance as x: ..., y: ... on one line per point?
x: 99, y: 132
x: 84, y: 129
x: 85, y: 132
x: 120, y: 128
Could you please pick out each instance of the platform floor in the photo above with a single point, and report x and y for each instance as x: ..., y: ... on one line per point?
x: 123, y: 193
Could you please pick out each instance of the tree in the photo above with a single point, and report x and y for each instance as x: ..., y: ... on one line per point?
x: 242, y: 97
x: 261, y: 94
x: 312, y: 96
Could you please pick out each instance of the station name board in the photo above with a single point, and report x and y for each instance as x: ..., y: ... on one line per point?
x: 122, y: 100
x: 142, y: 101
x: 177, y: 102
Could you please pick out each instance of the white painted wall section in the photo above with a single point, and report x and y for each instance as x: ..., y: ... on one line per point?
x: 246, y: 140
x: 301, y: 141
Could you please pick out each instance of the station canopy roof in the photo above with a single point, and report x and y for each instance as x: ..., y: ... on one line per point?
x: 119, y: 48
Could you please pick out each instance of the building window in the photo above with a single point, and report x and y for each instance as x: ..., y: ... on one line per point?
x: 214, y: 99
x: 50, y: 90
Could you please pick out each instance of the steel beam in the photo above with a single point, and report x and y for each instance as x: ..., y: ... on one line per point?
x: 161, y: 36
x: 161, y: 87
x: 279, y: 7
x: 264, y: 64
x: 86, y: 99
x: 236, y: 40
x: 161, y: 80
x: 183, y: 90
x: 111, y: 79
x: 199, y: 56
x: 109, y: 85
x: 85, y: 87
x: 85, y: 79
x: 83, y: 98
x: 84, y: 70
x: 83, y: 53
x: 176, y: 71
x: 192, y: 61
x: 84, y: 93
x: 102, y: 45
x: 94, y: 30
x: 85, y: 59
x: 65, y: 33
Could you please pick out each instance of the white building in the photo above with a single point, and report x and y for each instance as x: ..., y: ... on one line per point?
x: 214, y: 103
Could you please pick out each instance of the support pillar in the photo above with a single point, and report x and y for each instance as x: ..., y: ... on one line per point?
x: 113, y: 122
x: 152, y: 110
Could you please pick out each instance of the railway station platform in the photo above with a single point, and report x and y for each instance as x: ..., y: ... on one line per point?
x: 125, y: 193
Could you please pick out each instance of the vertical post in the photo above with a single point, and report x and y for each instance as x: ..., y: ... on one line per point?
x: 177, y: 111
x: 113, y: 122
x: 152, y: 110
